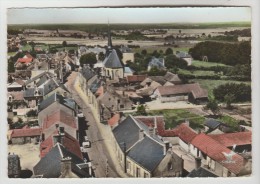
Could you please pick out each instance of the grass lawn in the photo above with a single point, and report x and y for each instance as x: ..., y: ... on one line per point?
x: 26, y: 47
x: 196, y: 72
x: 198, y: 63
x: 11, y: 53
x: 174, y: 117
x: 211, y: 84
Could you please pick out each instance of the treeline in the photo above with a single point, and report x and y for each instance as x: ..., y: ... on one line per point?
x: 226, y: 53
x: 233, y: 92
x: 244, y: 32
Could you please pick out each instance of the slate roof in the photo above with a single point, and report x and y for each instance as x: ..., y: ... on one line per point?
x: 44, y: 74
x: 112, y: 60
x: 14, y: 167
x: 201, y: 172
x: 237, y: 138
x: 156, y: 62
x: 30, y: 92
x: 215, y: 150
x: 128, y: 70
x: 50, y: 85
x: 127, y: 132
x: 212, y: 123
x: 87, y: 72
x: 70, y: 143
x: 56, y: 97
x: 50, y: 165
x: 95, y: 86
x: 194, y: 89
x: 147, y: 153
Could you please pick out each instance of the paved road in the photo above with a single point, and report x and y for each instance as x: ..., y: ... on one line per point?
x: 98, y: 155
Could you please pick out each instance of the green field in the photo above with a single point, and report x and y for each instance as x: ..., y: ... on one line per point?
x: 26, y: 47
x: 198, y: 63
x: 196, y: 73
x: 211, y: 84
x: 174, y: 117
x: 11, y: 53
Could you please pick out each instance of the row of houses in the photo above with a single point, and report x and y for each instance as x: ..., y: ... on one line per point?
x: 56, y: 131
x: 142, y: 145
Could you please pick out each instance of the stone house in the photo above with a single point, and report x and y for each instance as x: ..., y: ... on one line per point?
x: 25, y: 135
x: 142, y: 153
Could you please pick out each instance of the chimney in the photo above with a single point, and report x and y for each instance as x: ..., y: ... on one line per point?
x: 166, y: 147
x: 141, y: 134
x: 197, y: 162
x: 90, y: 168
x: 151, y: 131
x: 66, y: 167
x: 61, y: 131
x: 155, y: 126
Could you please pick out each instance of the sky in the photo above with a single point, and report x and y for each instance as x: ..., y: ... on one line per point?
x: 127, y: 15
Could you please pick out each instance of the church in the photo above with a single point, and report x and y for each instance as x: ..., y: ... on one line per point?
x: 113, y: 67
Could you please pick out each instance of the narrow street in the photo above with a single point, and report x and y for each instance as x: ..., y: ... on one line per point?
x: 98, y: 154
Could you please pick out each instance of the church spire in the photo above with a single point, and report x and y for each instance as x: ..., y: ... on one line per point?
x: 109, y: 44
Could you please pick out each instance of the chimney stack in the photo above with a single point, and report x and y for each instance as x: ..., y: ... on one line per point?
x: 66, y: 167
x: 141, y: 134
x: 197, y: 162
x: 166, y: 147
x: 151, y: 131
x: 187, y: 122
x: 155, y: 126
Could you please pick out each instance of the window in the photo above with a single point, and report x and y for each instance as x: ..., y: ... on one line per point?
x: 170, y: 167
x: 146, y: 175
x: 137, y: 172
x: 122, y: 106
x: 118, y: 101
x: 128, y: 166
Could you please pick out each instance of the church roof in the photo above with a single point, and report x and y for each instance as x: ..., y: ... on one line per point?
x: 112, y: 60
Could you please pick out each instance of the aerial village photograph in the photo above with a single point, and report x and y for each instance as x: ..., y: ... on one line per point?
x: 133, y: 92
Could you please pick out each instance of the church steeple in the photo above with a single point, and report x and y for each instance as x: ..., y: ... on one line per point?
x: 109, y: 44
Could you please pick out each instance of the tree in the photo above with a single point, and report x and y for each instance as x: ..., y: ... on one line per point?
x: 64, y: 44
x: 171, y: 61
x: 229, y: 98
x: 141, y: 110
x: 11, y: 68
x: 154, y: 71
x: 168, y: 51
x: 213, y: 106
x: 144, y: 52
x: 89, y: 58
x: 101, y: 56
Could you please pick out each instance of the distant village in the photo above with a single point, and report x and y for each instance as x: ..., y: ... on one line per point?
x: 84, y: 119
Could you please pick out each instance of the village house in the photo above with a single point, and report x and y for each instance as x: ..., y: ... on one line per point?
x: 185, y: 56
x: 59, y: 162
x: 90, y: 85
x: 218, y: 158
x: 24, y: 62
x: 59, y: 135
x: 60, y: 118
x: 16, y: 85
x: 135, y: 79
x: 156, y: 63
x: 53, y: 103
x: 25, y: 135
x: 185, y: 92
x: 142, y: 153
x: 128, y: 54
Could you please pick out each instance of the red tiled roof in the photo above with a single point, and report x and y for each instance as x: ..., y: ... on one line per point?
x: 150, y: 122
x: 24, y: 60
x: 114, y: 120
x: 135, y: 78
x: 68, y: 142
x: 229, y: 139
x: 26, y: 132
x: 195, y: 89
x: 215, y: 150
x: 59, y: 116
x: 185, y: 133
